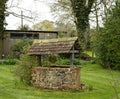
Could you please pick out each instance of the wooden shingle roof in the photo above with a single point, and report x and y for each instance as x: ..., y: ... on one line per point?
x: 52, y: 46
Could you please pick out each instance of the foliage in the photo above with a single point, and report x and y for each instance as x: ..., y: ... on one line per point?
x: 74, y: 11
x: 69, y: 28
x: 66, y: 61
x: 108, y: 41
x: 44, y: 25
x: 64, y: 20
x: 62, y: 12
x: 18, y: 47
x: 59, y: 60
x: 53, y: 58
x: 24, y: 27
x: 23, y: 70
x: 25, y: 63
x: 46, y: 63
x: 8, y: 62
x: 81, y: 10
x: 2, y: 24
x: 2, y: 17
x: 63, y: 61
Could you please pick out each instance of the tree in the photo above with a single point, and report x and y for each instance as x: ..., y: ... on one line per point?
x: 62, y: 12
x: 2, y: 17
x: 2, y: 23
x: 107, y: 50
x: 81, y: 10
x: 93, y: 12
x: 44, y: 25
x: 74, y: 11
x: 67, y: 27
x: 24, y: 27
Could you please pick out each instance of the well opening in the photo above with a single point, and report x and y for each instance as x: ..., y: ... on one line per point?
x: 59, y: 66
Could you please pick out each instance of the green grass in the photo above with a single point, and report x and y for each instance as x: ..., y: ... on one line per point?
x: 91, y: 74
x: 88, y: 52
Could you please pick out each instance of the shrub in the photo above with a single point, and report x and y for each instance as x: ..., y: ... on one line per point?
x: 46, y: 63
x: 23, y: 69
x: 77, y: 61
x: 8, y: 61
x: 53, y: 58
x: 108, y: 41
x: 66, y: 61
x: 18, y: 48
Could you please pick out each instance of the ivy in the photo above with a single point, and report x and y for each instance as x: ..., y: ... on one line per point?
x: 2, y: 17
x: 81, y: 13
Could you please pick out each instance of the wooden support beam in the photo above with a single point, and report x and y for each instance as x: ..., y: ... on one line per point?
x: 75, y: 51
x: 72, y: 58
x: 39, y: 60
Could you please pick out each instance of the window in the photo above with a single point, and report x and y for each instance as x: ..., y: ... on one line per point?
x: 23, y: 35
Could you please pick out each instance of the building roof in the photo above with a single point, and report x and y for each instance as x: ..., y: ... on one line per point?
x: 32, y: 31
x: 52, y: 46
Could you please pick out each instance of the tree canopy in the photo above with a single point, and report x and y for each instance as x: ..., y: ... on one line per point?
x: 107, y: 44
x: 24, y: 27
x: 76, y: 11
x: 44, y: 25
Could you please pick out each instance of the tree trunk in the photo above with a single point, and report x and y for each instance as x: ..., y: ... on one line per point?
x: 2, y: 24
x: 81, y: 12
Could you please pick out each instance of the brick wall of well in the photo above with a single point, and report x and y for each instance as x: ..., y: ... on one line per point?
x: 56, y: 77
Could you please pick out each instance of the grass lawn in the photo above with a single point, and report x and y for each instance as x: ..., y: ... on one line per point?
x: 98, y: 79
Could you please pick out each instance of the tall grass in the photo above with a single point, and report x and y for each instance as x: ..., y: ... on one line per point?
x: 92, y: 75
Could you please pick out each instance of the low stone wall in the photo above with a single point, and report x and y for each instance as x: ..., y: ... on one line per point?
x: 56, y: 77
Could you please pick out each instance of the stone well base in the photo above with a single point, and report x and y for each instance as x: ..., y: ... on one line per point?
x: 56, y: 77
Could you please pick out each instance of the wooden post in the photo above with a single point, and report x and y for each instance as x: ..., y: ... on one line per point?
x: 21, y: 19
x: 72, y: 58
x: 39, y: 60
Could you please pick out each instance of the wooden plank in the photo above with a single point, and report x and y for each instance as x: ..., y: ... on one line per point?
x: 75, y: 51
x: 72, y: 58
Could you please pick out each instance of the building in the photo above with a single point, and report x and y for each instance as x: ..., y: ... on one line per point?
x: 14, y: 35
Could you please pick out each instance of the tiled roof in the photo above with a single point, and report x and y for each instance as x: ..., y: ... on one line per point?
x: 52, y: 46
